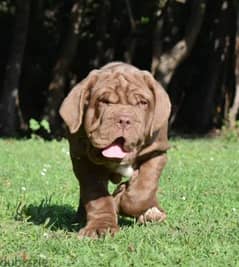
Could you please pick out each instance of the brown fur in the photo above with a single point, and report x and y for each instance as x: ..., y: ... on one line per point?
x: 117, y: 101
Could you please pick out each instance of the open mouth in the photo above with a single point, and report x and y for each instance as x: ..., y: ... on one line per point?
x: 115, y: 150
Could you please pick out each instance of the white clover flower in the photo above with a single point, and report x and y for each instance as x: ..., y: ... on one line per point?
x: 42, y: 256
x: 65, y: 151
x: 46, y: 235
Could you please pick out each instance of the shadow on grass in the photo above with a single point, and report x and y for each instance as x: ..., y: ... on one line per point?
x: 50, y: 215
x: 56, y: 217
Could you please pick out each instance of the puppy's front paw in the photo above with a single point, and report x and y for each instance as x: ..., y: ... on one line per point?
x: 99, y: 230
x: 153, y: 214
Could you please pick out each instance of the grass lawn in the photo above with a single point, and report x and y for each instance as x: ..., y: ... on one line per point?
x: 199, y: 191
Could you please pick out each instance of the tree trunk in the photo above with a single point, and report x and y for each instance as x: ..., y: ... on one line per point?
x: 164, y: 64
x: 202, y: 87
x: 235, y: 107
x: 10, y: 113
x: 60, y: 73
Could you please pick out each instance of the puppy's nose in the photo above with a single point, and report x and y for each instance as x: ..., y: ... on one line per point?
x: 124, y: 122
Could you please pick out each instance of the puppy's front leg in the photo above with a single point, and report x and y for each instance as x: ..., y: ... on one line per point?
x: 101, y: 217
x: 137, y: 198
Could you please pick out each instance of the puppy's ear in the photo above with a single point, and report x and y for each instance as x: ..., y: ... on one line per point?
x: 72, y: 108
x: 162, y: 105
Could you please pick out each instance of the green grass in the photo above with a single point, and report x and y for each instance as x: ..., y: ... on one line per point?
x: 199, y: 191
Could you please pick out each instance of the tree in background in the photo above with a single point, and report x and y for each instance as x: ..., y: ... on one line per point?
x: 189, y: 45
x: 198, y: 61
x: 10, y: 112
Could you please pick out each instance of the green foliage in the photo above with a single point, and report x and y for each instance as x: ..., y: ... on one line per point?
x: 199, y: 191
x: 35, y: 126
x: 45, y: 125
x: 7, y: 7
x: 145, y: 20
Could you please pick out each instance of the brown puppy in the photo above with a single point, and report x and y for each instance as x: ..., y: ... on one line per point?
x: 117, y: 119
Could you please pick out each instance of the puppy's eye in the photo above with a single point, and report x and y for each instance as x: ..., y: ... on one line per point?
x: 104, y: 101
x: 142, y: 103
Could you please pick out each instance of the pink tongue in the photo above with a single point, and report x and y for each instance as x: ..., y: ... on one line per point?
x: 114, y: 151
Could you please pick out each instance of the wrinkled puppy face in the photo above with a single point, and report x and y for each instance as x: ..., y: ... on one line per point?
x: 117, y: 115
x: 121, y: 110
